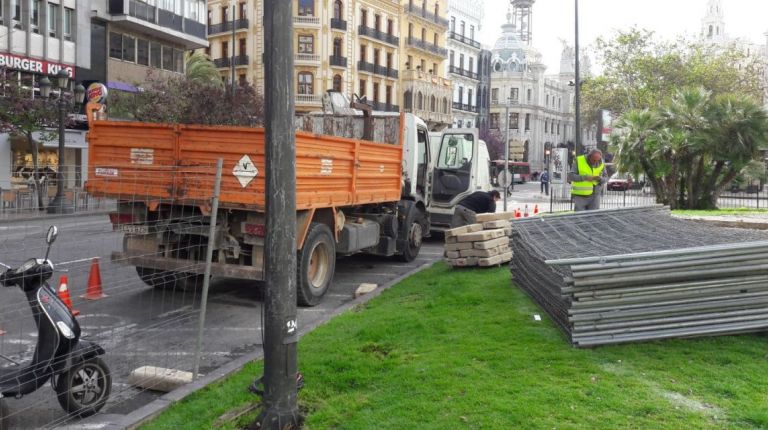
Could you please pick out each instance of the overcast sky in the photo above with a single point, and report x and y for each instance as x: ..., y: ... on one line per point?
x: 553, y: 20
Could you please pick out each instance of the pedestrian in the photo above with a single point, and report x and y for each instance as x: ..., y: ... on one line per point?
x: 545, y: 182
x: 585, y: 178
x: 479, y: 202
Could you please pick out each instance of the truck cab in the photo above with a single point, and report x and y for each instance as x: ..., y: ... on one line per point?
x: 460, y: 167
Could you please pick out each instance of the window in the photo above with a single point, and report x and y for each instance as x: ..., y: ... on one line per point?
x: 68, y: 14
x: 16, y: 13
x: 307, y: 8
x: 224, y: 14
x: 495, y: 95
x: 306, y: 83
x: 116, y: 45
x: 388, y: 94
x: 423, y: 34
x: 410, y: 30
x: 363, y: 17
x: 337, y: 47
x: 530, y: 94
x: 390, y: 60
x: 494, y: 120
x: 423, y: 65
x: 453, y: 24
x: 306, y: 44
x: 419, y: 101
x: 390, y: 27
x: 527, y: 122
x: 472, y: 32
x: 463, y: 27
x: 547, y: 104
x: 376, y: 91
x: 469, y: 96
x: 461, y: 95
x: 224, y: 50
x: 376, y: 52
x: 129, y: 48
x: 456, y: 151
x: 558, y: 128
x: 167, y: 58
x: 546, y: 126
x: 433, y: 104
x: 363, y: 49
x: 434, y: 67
x: 337, y: 83
x: 243, y: 12
x: 437, y: 9
x: 338, y: 9
x: 142, y: 52
x: 514, y: 121
x: 377, y: 22
x: 241, y: 79
x: 435, y: 39
x: 514, y: 94
x: 471, y: 60
x: 178, y: 61
x: 450, y: 58
x: 210, y: 17
x: 361, y: 90
x: 34, y: 20
x: 155, y: 55
x: 53, y: 13
x: 242, y: 48
x: 461, y: 61
x: 409, y: 63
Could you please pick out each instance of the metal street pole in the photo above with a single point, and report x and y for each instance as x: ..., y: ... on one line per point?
x: 59, y: 204
x: 506, y: 160
x: 280, y: 326
x: 232, y: 65
x: 578, y: 148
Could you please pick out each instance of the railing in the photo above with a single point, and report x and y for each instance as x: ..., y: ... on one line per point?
x: 463, y: 39
x: 309, y: 99
x: 426, y: 46
x: 240, y: 60
x: 141, y: 10
x: 338, y: 61
x: 465, y: 107
x: 339, y: 24
x: 384, y: 107
x: 365, y: 66
x: 306, y: 20
x: 307, y: 58
x: 377, y: 69
x: 225, y: 27
x: 378, y: 35
x: 460, y: 71
x: 426, y: 15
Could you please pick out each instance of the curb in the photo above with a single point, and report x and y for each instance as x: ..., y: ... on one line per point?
x: 22, y: 219
x: 149, y: 411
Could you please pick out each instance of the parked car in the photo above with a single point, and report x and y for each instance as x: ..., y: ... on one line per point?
x: 620, y: 182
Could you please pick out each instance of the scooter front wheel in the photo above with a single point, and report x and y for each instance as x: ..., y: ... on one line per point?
x: 84, y: 388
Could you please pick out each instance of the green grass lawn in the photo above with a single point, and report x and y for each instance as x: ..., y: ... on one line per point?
x: 460, y: 349
x: 721, y: 212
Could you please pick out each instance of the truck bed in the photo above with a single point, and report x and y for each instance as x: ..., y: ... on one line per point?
x: 163, y: 163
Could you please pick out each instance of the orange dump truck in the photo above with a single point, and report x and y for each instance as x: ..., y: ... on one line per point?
x: 353, y: 195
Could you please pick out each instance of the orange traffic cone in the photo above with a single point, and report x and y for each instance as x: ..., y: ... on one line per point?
x: 94, y: 291
x: 64, y: 294
x: 525, y: 214
x: 517, y: 213
x: 536, y: 210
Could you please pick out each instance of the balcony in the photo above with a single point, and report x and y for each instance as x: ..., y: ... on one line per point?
x: 465, y: 107
x: 462, y: 72
x: 309, y: 100
x: 465, y: 40
x: 226, y: 27
x: 426, y: 15
x: 306, y: 21
x: 141, y: 11
x: 388, y: 72
x: 338, y: 24
x: 378, y: 35
x: 240, y: 60
x: 364, y: 66
x: 143, y: 17
x: 311, y: 59
x: 337, y: 61
x: 428, y: 47
x: 420, y: 88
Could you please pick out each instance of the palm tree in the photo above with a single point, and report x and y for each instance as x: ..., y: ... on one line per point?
x: 201, y: 69
x: 636, y: 144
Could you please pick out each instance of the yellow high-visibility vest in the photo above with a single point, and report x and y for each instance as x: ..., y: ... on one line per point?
x: 585, y: 188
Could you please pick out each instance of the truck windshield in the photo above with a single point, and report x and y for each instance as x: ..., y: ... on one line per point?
x: 455, y: 151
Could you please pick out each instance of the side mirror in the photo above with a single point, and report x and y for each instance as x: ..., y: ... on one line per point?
x: 53, y: 231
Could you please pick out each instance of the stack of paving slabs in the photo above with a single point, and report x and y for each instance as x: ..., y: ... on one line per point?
x: 483, y: 244
x: 638, y: 274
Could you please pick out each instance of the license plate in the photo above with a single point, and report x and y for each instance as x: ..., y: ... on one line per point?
x: 133, y: 229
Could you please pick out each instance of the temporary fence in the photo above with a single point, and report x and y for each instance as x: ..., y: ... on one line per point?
x: 622, y: 275
x: 560, y: 198
x: 143, y: 318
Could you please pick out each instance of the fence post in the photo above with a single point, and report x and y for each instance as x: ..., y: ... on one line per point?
x: 757, y: 198
x: 624, y: 204
x: 551, y: 199
x: 208, y: 260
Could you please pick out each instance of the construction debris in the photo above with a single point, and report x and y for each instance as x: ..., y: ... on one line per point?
x: 638, y: 274
x: 483, y: 244
x: 365, y: 288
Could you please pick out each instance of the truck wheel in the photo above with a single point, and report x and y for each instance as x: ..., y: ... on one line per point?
x: 168, y: 280
x: 316, y: 264
x: 414, y: 234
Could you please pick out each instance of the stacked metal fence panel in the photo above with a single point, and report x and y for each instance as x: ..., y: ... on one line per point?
x: 639, y: 274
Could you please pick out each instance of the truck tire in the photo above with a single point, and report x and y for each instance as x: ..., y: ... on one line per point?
x: 413, y: 231
x: 316, y: 263
x: 168, y: 280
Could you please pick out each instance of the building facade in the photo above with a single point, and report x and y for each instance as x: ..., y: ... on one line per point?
x: 484, y: 89
x: 463, y: 65
x: 426, y: 90
x: 540, y: 107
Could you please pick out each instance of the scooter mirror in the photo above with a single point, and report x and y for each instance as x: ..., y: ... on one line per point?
x: 53, y: 231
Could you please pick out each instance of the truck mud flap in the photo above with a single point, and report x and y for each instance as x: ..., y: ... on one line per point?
x: 188, y: 266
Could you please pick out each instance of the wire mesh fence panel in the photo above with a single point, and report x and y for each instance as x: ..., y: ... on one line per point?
x: 142, y: 316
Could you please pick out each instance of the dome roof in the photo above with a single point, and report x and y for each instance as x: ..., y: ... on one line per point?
x: 510, y: 52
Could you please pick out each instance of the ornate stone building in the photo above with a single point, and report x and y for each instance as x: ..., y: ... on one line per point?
x: 463, y: 66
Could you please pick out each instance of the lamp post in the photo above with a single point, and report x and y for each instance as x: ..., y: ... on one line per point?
x: 59, y: 205
x: 577, y: 82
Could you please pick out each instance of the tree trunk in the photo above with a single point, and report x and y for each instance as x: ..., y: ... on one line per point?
x: 36, y: 171
x: 695, y: 192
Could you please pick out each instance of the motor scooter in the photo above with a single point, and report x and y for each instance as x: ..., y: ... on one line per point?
x: 80, y: 378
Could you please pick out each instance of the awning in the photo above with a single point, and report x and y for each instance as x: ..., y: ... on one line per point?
x: 122, y: 86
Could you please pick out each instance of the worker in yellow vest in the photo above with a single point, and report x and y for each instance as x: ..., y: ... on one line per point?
x: 585, y: 178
